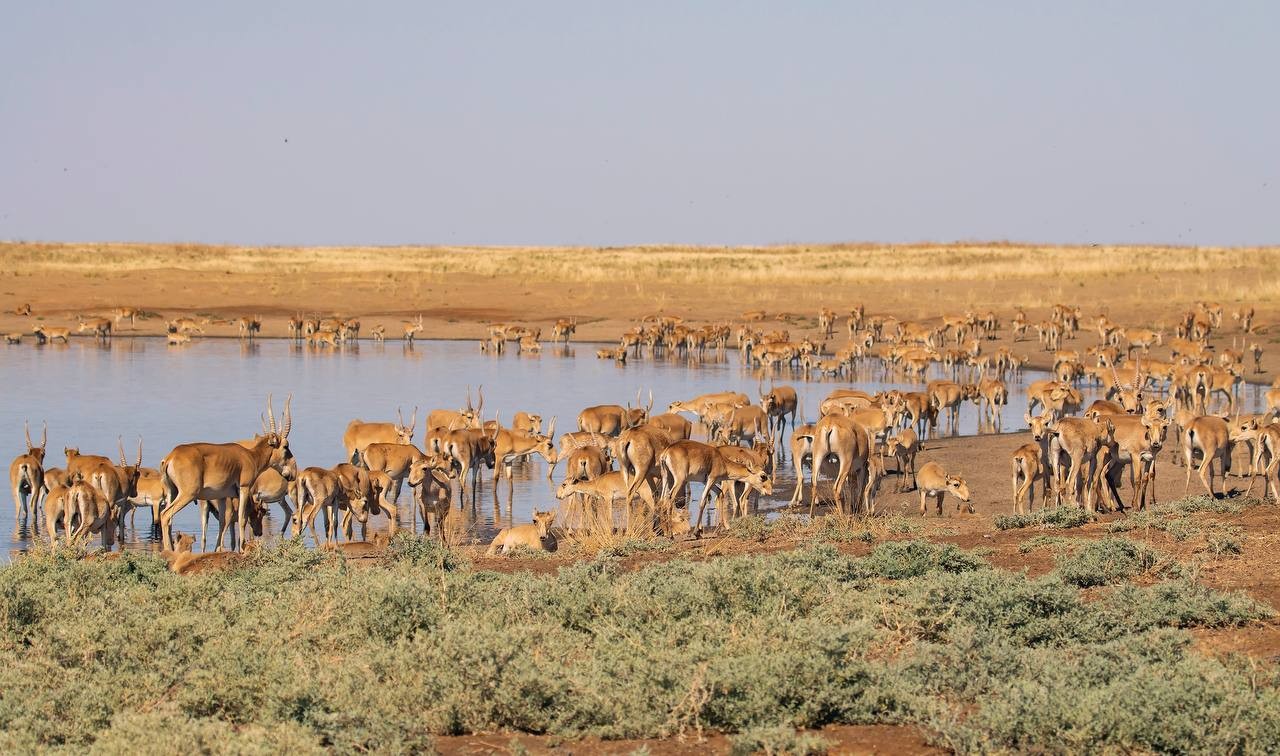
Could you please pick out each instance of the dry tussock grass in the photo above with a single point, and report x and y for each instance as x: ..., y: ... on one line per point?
x: 798, y: 264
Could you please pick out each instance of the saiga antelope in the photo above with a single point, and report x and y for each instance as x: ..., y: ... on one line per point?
x: 934, y: 482
x: 26, y: 475
x: 531, y: 536
x: 1209, y: 435
x: 360, y: 434
x: 606, y: 489
x: 685, y: 462
x: 779, y: 404
x: 840, y: 437
x: 903, y: 447
x: 1026, y: 470
x: 216, y: 471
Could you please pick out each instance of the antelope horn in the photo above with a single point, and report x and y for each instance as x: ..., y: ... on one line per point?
x: 469, y: 407
x: 413, y: 420
x: 399, y: 417
x: 480, y: 395
x: 120, y: 442
x: 139, y: 462
x: 551, y: 429
x: 44, y: 435
x: 649, y: 407
x: 288, y: 415
x: 27, y: 430
x: 271, y: 415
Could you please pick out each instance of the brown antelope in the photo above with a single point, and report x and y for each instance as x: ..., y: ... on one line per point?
x: 469, y: 448
x: 637, y: 450
x: 563, y: 329
x: 1209, y: 435
x: 57, y: 507
x: 744, y: 423
x: 118, y: 484
x: 1255, y: 351
x: 469, y: 417
x: 14, y: 337
x: 758, y: 456
x: 699, y: 404
x: 272, y: 487
x: 612, y: 419
x: 411, y: 329
x: 1136, y: 441
x: 511, y: 444
x: 903, y: 447
x: 1026, y: 470
x: 827, y: 321
x: 26, y: 475
x: 536, y: 536
x: 1244, y: 316
x: 991, y: 395
x: 686, y: 462
x: 779, y: 404
x: 360, y: 434
x: 378, y: 333
x: 320, y: 491
x: 934, y: 482
x: 51, y: 334
x: 1266, y: 460
x: 394, y: 461
x: 101, y: 327
x: 606, y: 489
x: 249, y: 326
x: 840, y: 437
x: 528, y: 422
x: 178, y: 339
x: 675, y: 425
x: 217, y: 471
x: 946, y: 395
x: 432, y: 486
x: 1076, y: 440
x: 96, y: 512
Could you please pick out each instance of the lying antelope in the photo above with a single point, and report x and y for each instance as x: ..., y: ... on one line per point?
x: 26, y: 475
x: 934, y: 482
x: 536, y: 536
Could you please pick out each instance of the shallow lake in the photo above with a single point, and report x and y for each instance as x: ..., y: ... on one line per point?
x: 215, y: 390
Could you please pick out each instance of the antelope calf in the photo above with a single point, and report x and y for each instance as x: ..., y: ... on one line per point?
x: 903, y: 447
x: 934, y: 482
x: 534, y: 536
x: 1026, y: 470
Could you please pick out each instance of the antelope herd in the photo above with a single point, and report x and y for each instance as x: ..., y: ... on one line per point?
x: 623, y: 459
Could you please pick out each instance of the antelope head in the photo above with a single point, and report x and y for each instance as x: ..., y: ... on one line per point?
x: 277, y: 437
x: 131, y: 472
x: 404, y: 434
x: 959, y: 489
x: 32, y: 449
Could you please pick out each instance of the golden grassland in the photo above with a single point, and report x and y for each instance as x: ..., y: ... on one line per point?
x: 796, y: 264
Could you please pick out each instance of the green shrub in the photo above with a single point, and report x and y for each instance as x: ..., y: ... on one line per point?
x: 1058, y: 517
x: 1106, y: 561
x: 776, y: 740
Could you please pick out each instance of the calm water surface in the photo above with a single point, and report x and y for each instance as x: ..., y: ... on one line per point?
x: 215, y: 389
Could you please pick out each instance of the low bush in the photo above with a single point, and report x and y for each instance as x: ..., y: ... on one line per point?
x: 296, y: 651
x: 1058, y: 517
x: 1106, y: 561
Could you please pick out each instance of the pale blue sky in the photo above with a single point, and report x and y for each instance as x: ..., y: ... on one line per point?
x: 615, y: 123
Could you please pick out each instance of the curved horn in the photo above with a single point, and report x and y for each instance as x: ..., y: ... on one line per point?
x: 480, y: 404
x: 27, y: 430
x: 551, y: 429
x: 649, y: 407
x: 413, y: 420
x: 288, y: 415
x: 271, y: 416
x: 399, y: 417
x: 120, y: 442
x: 139, y: 462
x: 44, y: 435
x: 469, y: 407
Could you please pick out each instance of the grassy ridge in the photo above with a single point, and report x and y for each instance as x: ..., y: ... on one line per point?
x: 299, y: 651
x: 799, y: 264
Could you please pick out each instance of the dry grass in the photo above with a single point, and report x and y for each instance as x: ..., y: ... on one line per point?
x: 817, y: 264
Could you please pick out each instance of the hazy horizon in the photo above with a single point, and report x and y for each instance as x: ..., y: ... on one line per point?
x: 585, y: 124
